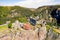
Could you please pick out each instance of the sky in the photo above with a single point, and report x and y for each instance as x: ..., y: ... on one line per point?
x: 29, y: 3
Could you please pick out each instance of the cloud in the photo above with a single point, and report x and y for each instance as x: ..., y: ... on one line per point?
x: 34, y: 3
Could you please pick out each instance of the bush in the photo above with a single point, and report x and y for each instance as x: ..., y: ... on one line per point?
x: 10, y: 25
x: 23, y: 20
x: 47, y: 27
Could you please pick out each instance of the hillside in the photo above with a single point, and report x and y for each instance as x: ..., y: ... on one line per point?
x: 47, y: 12
x: 47, y: 9
x: 46, y: 27
x: 13, y: 12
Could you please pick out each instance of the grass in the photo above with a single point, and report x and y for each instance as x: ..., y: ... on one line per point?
x: 53, y: 29
x: 56, y: 30
x: 3, y: 28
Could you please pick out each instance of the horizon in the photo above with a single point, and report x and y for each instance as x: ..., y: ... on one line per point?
x: 27, y: 7
x: 29, y: 3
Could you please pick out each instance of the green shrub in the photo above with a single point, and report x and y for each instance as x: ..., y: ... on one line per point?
x: 10, y: 25
x: 47, y: 27
x: 23, y: 20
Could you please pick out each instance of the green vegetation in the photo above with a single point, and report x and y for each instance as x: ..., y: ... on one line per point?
x: 12, y: 13
x: 47, y: 27
x: 3, y: 28
x: 10, y: 25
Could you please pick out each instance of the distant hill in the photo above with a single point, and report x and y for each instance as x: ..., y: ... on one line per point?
x: 15, y: 12
x: 47, y: 9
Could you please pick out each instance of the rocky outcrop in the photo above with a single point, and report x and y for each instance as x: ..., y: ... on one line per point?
x: 52, y: 35
x: 37, y: 34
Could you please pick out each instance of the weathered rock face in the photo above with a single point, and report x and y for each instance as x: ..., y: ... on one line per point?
x: 52, y: 35
x: 17, y: 24
x: 42, y: 33
x: 37, y: 34
x: 27, y: 35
